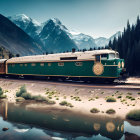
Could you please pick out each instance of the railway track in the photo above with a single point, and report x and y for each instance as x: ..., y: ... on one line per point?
x: 115, y: 85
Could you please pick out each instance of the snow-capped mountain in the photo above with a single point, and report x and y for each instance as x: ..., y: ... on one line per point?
x: 102, y: 41
x: 30, y: 26
x: 83, y: 41
x: 117, y: 34
x: 53, y: 36
x: 42, y: 33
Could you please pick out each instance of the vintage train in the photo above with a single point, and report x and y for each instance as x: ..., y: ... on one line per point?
x: 88, y: 65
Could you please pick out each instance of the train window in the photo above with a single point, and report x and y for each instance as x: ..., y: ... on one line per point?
x: 78, y: 63
x: 33, y: 64
x: 104, y: 56
x: 60, y: 64
x: 111, y: 55
x: 25, y: 65
x: 49, y: 64
x: 97, y: 58
x: 68, y: 58
x: 21, y: 65
x: 42, y: 64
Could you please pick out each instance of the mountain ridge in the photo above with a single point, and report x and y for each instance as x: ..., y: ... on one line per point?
x: 16, y: 40
x: 54, y: 37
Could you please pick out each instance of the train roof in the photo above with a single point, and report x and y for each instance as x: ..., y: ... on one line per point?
x: 2, y: 60
x: 58, y: 56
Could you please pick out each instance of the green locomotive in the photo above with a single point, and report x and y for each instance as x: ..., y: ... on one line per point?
x: 97, y: 64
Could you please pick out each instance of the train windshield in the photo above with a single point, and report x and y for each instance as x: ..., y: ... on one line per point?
x: 113, y: 55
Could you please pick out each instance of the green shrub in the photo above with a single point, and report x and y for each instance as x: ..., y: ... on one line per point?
x: 65, y: 103
x: 111, y: 99
x: 110, y: 111
x: 21, y: 91
x: 50, y: 102
x: 119, y: 96
x: 20, y: 99
x: 76, y: 98
x: 94, y: 110
x: 138, y: 93
x: 102, y: 92
x: 1, y: 91
x: 26, y: 96
x: 3, y: 96
x: 38, y: 98
x: 129, y: 97
x: 134, y: 115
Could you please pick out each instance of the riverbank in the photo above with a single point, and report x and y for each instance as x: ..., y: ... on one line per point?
x: 82, y: 99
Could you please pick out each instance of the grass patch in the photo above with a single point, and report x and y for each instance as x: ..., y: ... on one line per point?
x: 94, y: 110
x: 110, y: 111
x: 134, y: 115
x: 65, y: 103
x: 110, y: 99
x: 138, y: 93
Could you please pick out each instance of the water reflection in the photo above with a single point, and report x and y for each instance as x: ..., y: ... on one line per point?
x: 59, y: 124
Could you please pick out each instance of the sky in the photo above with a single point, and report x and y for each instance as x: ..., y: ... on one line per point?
x: 97, y: 18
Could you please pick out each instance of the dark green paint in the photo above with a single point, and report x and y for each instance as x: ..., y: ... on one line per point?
x: 69, y: 69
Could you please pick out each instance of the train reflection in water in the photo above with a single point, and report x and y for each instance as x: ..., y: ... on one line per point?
x: 62, y: 121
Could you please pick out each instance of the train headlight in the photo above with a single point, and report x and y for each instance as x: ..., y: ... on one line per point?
x: 122, y: 64
x: 119, y: 65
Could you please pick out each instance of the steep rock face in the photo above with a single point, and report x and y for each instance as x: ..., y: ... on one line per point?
x: 16, y: 40
x: 55, y: 38
x: 30, y: 26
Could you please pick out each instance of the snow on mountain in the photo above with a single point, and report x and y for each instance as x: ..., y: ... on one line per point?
x: 52, y: 30
x: 55, y: 37
x: 83, y: 41
x: 102, y: 41
x: 117, y: 34
x: 30, y: 26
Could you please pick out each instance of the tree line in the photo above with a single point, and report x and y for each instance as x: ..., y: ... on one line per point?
x: 128, y: 46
